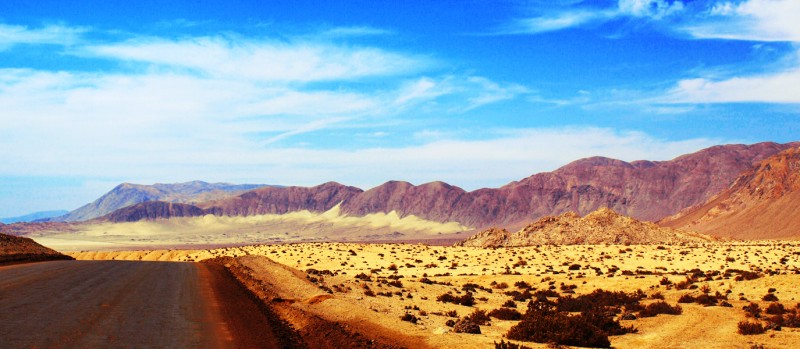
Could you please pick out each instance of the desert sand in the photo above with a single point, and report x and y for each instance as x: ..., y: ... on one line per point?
x: 301, y: 226
x: 332, y: 281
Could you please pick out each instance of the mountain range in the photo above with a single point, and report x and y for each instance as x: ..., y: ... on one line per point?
x: 708, y: 191
x: 127, y: 194
x: 645, y: 190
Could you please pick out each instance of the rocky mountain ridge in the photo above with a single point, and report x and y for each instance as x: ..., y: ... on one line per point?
x: 645, y: 190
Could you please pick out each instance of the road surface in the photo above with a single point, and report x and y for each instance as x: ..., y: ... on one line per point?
x: 104, y: 304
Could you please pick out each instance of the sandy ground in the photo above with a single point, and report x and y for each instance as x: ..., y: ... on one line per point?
x: 301, y: 226
x: 608, y: 267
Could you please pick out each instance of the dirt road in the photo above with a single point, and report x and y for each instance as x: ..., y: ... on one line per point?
x: 102, y: 304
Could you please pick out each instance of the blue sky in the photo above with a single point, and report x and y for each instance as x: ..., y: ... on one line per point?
x: 475, y: 93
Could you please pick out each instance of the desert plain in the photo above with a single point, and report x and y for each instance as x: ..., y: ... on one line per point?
x: 393, y: 292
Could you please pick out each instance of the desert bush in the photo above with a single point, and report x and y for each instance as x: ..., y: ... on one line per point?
x: 542, y: 323
x: 575, y: 267
x: 686, y: 298
x: 657, y: 295
x: 600, y: 298
x: 508, y: 345
x: 395, y: 283
x: 775, y: 309
x: 749, y: 328
x: 706, y: 300
x: 510, y: 304
x: 505, y: 314
x: 792, y: 319
x: 466, y: 326
x: 363, y: 277
x: 451, y: 313
x: 466, y: 300
x: 545, y: 293
x: 522, y: 285
x: 752, y: 310
x: 410, y: 318
x: 660, y: 307
x: 770, y: 297
x: 500, y: 286
x: 478, y: 317
x: 450, y: 323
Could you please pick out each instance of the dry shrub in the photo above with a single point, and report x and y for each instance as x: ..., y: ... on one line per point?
x: 410, y: 318
x: 508, y: 345
x: 466, y: 326
x: 506, y: 314
x: 478, y: 317
x: 770, y: 297
x: 466, y: 300
x: 775, y: 309
x: 660, y: 307
x: 749, y: 328
x: 542, y: 323
x: 600, y: 298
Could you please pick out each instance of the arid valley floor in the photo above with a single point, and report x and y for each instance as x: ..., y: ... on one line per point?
x: 370, y: 287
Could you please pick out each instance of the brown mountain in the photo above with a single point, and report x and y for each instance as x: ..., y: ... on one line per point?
x: 645, y: 190
x: 278, y: 200
x: 603, y: 226
x: 762, y: 203
x: 18, y: 249
x: 152, y: 210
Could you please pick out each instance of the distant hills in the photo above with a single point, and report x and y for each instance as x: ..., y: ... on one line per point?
x: 762, y: 203
x: 645, y: 190
x: 33, y: 216
x: 128, y: 194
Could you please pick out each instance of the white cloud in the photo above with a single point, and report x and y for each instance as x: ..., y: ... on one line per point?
x: 649, y: 8
x: 52, y: 34
x: 753, y: 20
x: 231, y: 57
x: 770, y: 88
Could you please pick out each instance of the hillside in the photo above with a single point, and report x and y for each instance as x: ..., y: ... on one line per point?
x: 762, y: 203
x: 603, y: 226
x: 18, y: 249
x: 128, y: 194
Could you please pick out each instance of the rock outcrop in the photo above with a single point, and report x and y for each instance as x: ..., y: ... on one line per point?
x: 603, y: 226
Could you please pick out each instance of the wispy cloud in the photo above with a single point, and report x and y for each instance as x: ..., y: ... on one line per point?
x: 240, y: 58
x: 11, y: 35
x: 580, y: 15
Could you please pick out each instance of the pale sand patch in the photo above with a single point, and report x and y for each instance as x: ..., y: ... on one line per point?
x: 221, y: 230
x: 543, y: 267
